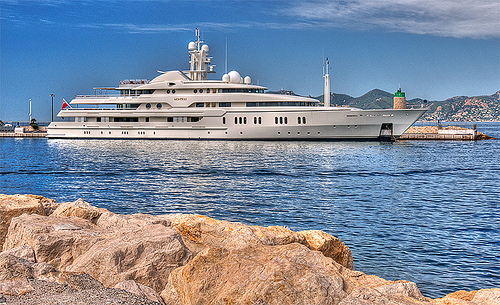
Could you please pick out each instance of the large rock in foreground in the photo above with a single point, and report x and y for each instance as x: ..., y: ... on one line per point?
x: 74, y: 253
x: 15, y: 205
x: 146, y: 255
x: 55, y: 240
x: 285, y: 274
x: 200, y: 232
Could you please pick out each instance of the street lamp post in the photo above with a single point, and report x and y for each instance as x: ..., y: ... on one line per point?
x: 52, y: 113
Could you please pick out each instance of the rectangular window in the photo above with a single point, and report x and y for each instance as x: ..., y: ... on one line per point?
x: 98, y: 119
x: 224, y: 104
x: 170, y: 119
x: 128, y: 120
x: 147, y: 120
x: 200, y: 104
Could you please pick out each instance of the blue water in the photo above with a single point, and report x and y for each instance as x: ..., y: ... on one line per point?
x: 423, y: 211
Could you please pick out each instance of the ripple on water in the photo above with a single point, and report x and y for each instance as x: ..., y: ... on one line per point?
x: 422, y: 211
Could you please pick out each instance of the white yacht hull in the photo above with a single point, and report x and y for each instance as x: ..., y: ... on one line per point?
x: 253, y: 124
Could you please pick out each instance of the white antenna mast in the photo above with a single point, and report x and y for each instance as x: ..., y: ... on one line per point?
x: 326, y: 96
x: 225, y: 71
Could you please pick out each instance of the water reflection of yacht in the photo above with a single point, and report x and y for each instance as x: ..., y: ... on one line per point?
x: 187, y: 105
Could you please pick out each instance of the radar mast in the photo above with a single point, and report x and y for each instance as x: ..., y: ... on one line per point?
x: 199, y: 60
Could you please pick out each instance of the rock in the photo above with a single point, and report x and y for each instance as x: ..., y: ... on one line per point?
x: 140, y: 290
x: 487, y: 297
x: 329, y: 245
x: 199, y: 232
x: 41, y: 270
x: 80, y: 209
x: 370, y: 296
x: 403, y: 289
x: 24, y: 252
x: 12, y: 267
x: 55, y: 240
x: 15, y: 286
x: 14, y: 205
x: 285, y: 274
x: 204, y: 231
x: 147, y: 256
x: 115, y: 222
x: 462, y: 297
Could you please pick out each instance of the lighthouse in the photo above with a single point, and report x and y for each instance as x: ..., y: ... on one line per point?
x: 399, y: 100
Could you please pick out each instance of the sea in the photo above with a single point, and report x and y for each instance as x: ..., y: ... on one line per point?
x: 423, y: 211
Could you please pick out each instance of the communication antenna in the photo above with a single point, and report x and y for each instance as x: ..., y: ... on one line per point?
x: 226, y: 57
x: 326, y: 96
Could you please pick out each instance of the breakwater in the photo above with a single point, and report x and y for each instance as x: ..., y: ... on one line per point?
x: 181, y: 259
x: 446, y: 133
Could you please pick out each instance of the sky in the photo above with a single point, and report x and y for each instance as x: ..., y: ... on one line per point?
x: 432, y: 49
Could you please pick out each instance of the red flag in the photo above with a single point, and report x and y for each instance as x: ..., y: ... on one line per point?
x: 65, y: 104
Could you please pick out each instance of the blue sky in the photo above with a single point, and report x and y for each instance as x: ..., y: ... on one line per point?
x: 434, y: 49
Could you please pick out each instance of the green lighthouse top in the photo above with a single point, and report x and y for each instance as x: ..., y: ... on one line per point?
x: 399, y: 93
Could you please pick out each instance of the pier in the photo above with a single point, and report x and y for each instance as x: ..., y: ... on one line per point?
x: 443, y: 133
x: 23, y: 135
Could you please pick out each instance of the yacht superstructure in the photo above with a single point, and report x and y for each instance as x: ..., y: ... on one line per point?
x: 187, y: 105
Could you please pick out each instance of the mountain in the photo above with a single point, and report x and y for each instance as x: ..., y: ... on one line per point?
x: 462, y: 108
x: 458, y: 108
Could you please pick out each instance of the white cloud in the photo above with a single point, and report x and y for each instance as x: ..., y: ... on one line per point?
x: 449, y: 18
x: 446, y: 18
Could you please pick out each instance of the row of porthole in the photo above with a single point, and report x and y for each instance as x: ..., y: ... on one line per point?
x: 281, y: 120
x: 168, y: 91
x: 240, y: 120
x: 123, y: 132
x: 148, y: 106
x: 298, y: 133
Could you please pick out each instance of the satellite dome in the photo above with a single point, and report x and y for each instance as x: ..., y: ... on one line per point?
x: 226, y: 78
x: 247, y: 80
x: 192, y: 46
x: 205, y: 48
x: 234, y: 77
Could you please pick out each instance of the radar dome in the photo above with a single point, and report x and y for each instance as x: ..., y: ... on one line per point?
x: 247, y: 80
x: 234, y: 77
x: 205, y: 48
x: 192, y: 46
x: 225, y: 78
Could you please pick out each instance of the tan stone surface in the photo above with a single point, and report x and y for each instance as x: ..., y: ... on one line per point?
x: 55, y: 240
x: 147, y: 256
x: 24, y: 252
x: 286, y: 274
x: 283, y: 274
x: 199, y: 232
x: 329, y: 245
x: 15, y: 205
x: 487, y: 297
x: 80, y: 209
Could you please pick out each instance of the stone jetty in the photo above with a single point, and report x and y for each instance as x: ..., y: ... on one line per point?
x: 75, y: 253
x: 444, y: 133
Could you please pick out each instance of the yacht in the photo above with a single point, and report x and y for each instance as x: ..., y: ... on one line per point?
x: 188, y: 105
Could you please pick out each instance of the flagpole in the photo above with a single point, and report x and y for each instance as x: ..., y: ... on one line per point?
x: 30, y: 110
x: 52, y: 113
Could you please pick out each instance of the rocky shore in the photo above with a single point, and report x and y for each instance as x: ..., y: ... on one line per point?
x: 74, y: 253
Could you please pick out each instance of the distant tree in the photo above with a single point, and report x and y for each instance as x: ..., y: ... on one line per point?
x: 34, y: 124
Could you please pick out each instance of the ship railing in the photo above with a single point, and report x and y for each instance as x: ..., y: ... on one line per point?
x: 106, y: 109
x: 96, y: 96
